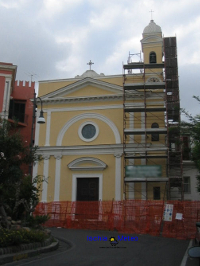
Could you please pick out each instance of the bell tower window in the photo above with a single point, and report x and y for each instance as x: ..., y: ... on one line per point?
x: 152, y: 58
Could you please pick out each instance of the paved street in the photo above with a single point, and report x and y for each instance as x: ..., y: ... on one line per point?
x: 81, y: 249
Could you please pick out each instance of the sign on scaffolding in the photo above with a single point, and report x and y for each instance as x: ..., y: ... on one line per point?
x: 168, y: 212
x: 143, y: 171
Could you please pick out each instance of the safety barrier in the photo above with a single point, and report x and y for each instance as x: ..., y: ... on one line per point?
x: 130, y: 216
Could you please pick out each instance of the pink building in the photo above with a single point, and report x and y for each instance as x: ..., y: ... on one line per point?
x: 15, y: 101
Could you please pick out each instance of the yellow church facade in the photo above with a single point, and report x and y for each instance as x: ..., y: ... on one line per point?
x: 98, y: 143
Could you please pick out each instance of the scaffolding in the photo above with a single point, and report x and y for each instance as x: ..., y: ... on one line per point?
x: 175, y: 167
x: 151, y: 147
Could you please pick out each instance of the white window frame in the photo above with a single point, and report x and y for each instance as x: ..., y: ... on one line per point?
x: 88, y: 123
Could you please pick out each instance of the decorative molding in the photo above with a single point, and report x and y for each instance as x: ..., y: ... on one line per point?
x: 46, y: 156
x: 84, y: 99
x: 82, y: 149
x: 57, y: 156
x: 98, y: 164
x: 101, y: 149
x: 86, y: 116
x: 118, y: 155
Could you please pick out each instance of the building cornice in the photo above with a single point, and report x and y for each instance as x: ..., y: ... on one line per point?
x: 100, y: 98
x: 81, y: 150
x: 83, y: 99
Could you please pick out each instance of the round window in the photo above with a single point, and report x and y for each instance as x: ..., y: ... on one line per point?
x: 88, y: 131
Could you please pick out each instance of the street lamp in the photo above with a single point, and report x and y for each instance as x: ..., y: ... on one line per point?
x: 41, y: 120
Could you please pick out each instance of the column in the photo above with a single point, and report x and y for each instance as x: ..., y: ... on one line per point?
x: 35, y: 170
x: 48, y: 125
x: 45, y: 174
x: 57, y: 177
x: 118, y: 177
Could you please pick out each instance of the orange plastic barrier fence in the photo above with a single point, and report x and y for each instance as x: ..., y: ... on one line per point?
x: 130, y: 216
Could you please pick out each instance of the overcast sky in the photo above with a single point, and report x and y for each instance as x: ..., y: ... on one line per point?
x: 53, y: 39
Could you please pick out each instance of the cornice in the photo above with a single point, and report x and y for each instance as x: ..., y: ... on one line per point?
x: 100, y: 98
x: 81, y: 150
x: 84, y: 99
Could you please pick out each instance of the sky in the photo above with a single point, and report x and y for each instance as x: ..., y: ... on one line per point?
x: 55, y: 39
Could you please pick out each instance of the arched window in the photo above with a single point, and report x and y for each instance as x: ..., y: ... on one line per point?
x: 152, y: 58
x: 155, y: 136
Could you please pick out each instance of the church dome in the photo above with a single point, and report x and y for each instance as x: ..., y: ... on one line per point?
x: 152, y: 28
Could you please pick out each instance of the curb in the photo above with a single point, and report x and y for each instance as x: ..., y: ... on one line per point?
x: 28, y: 253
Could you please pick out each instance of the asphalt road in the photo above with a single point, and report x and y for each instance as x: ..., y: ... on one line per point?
x: 84, y: 248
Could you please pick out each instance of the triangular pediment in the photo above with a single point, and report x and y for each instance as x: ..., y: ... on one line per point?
x: 86, y: 87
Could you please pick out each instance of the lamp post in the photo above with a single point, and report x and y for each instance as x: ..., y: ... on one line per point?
x: 41, y: 120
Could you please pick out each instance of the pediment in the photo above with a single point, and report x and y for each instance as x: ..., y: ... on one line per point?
x: 86, y: 87
x: 86, y: 163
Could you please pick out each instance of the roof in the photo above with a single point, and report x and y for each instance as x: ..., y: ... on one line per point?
x: 152, y: 28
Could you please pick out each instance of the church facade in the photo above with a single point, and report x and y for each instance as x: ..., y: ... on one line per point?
x: 104, y: 138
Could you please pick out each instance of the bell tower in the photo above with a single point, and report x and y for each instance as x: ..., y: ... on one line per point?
x: 152, y: 44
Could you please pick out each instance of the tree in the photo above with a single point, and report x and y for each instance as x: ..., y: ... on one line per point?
x: 192, y: 128
x: 14, y: 152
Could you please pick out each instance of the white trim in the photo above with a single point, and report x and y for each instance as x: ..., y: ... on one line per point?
x: 98, y: 164
x: 46, y: 174
x: 74, y: 184
x: 35, y: 169
x: 86, y: 116
x: 80, y: 131
x: 57, y: 178
x: 48, y: 126
x: 83, y: 150
x: 6, y: 75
